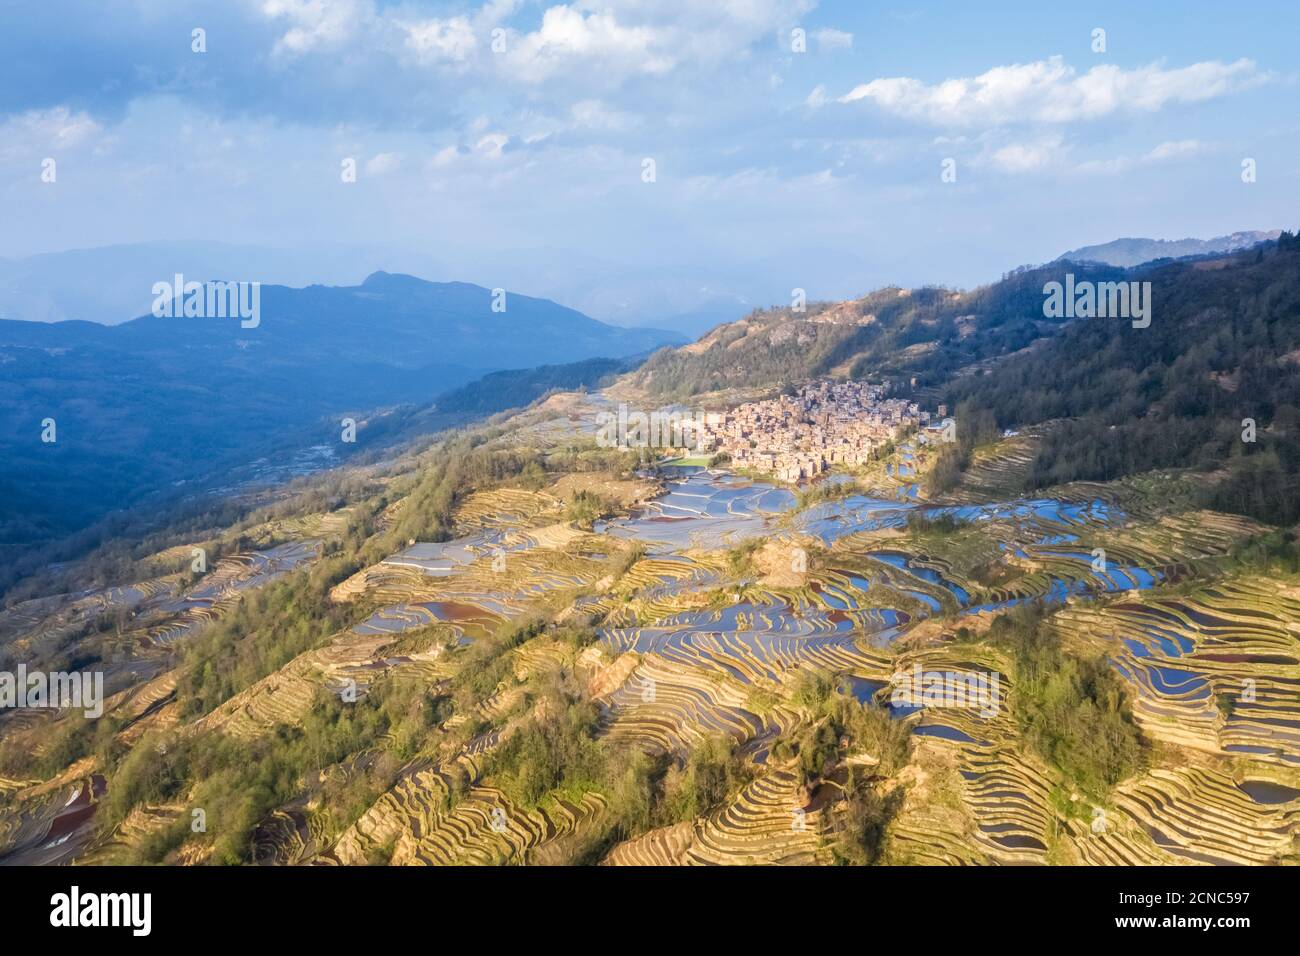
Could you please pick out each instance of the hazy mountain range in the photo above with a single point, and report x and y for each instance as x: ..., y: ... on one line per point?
x: 158, y: 401
x: 110, y: 284
x: 1133, y: 252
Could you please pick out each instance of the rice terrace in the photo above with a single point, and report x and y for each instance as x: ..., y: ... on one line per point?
x: 684, y: 666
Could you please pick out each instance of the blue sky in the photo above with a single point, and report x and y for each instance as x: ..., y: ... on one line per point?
x: 523, y: 166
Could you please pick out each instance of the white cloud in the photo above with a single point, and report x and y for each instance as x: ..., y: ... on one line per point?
x: 1163, y: 153
x: 441, y: 40
x: 48, y: 131
x: 1026, y: 157
x: 317, y: 24
x: 1050, y: 91
x: 566, y: 34
x: 1053, y: 151
x: 828, y: 39
x: 444, y: 157
x: 494, y: 11
x: 594, y: 114
x: 383, y: 163
x: 492, y: 144
x: 575, y: 40
x: 1174, y: 150
x: 626, y: 38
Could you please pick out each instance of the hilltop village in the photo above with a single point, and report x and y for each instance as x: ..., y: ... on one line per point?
x: 825, y: 424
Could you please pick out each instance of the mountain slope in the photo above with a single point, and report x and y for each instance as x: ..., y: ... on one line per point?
x: 928, y: 334
x: 1223, y: 347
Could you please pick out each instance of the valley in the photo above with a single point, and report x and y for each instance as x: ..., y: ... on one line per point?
x: 193, y: 401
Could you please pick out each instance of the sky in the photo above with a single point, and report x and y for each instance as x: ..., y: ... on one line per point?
x: 795, y: 143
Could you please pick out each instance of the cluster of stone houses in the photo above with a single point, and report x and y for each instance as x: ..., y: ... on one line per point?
x: 826, y: 424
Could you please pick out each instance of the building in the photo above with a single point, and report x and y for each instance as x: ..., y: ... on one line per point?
x: 800, y: 436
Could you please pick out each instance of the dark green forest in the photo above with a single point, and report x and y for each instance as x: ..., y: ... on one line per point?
x: 516, y: 388
x: 1223, y: 348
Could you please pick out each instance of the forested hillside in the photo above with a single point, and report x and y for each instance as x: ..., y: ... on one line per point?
x: 515, y: 388
x: 1223, y: 346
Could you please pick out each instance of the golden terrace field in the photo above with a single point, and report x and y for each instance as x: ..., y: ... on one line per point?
x: 511, y: 648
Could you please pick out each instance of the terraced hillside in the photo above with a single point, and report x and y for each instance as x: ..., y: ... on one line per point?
x: 518, y: 647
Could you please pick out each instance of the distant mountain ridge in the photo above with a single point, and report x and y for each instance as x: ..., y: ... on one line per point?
x: 926, y: 334
x: 1133, y: 252
x: 110, y: 285
x: 161, y: 402
x: 391, y: 319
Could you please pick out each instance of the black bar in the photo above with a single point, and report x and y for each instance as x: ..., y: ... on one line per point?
x: 362, y: 906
